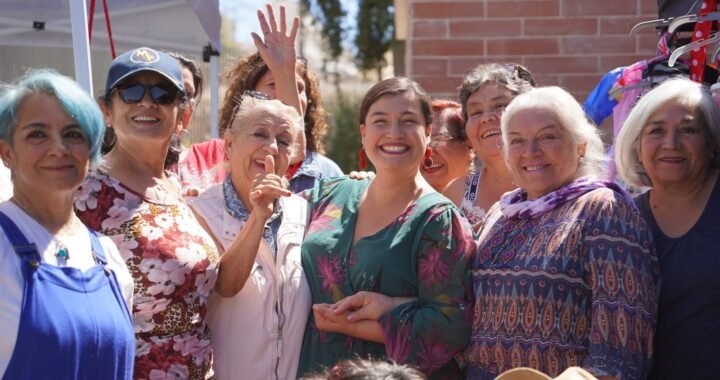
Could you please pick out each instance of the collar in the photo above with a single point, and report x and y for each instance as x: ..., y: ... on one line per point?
x: 515, y: 204
x: 237, y: 209
x: 310, y: 166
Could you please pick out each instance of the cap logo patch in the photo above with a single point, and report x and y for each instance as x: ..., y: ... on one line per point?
x: 144, y: 55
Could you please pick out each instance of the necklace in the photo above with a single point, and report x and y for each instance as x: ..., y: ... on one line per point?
x: 159, y: 188
x: 62, y: 250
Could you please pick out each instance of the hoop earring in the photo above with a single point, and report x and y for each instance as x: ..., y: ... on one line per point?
x: 109, y: 132
x: 428, y: 162
x: 361, y: 156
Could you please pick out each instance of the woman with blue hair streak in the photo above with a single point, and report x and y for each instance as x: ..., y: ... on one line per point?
x: 64, y: 290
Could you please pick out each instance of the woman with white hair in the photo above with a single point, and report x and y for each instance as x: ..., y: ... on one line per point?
x: 565, y: 273
x: 670, y: 142
x: 258, y: 313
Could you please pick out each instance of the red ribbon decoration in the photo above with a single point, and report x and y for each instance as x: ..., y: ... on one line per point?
x: 702, y: 31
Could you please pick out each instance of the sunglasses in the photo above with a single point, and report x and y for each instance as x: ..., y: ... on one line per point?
x: 160, y: 93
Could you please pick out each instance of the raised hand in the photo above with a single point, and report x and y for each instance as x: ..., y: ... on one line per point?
x: 266, y: 188
x: 277, y: 47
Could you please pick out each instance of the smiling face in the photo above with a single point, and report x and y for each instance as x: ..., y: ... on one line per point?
x: 541, y: 155
x: 675, y: 146
x: 261, y: 134
x: 49, y: 150
x: 394, y: 133
x: 450, y: 155
x: 145, y: 123
x: 484, y: 110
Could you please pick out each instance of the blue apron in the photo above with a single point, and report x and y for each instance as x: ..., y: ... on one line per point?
x: 73, y: 325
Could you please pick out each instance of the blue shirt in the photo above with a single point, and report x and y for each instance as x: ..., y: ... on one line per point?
x: 315, y: 167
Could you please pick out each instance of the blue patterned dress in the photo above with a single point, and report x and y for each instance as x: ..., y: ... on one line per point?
x: 574, y: 286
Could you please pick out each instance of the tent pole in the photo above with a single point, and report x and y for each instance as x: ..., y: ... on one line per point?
x: 81, y: 47
x: 214, y: 95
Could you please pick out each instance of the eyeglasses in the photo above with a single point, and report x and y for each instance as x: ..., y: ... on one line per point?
x: 160, y: 93
x: 257, y: 95
x: 440, y: 140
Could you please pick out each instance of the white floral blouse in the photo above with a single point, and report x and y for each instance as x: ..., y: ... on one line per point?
x: 174, y: 265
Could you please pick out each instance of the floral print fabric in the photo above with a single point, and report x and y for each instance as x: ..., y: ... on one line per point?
x: 424, y: 253
x: 575, y: 286
x: 174, y: 265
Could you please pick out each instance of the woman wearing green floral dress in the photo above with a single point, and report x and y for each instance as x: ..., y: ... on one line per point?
x: 386, y: 258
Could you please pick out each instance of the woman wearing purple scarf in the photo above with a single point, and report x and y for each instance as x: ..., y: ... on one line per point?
x: 566, y: 272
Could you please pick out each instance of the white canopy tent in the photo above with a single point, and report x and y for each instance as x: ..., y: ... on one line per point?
x: 186, y: 26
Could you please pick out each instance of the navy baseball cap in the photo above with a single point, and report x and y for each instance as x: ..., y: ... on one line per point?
x: 144, y: 59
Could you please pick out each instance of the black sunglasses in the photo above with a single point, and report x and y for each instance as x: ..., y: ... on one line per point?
x: 160, y: 93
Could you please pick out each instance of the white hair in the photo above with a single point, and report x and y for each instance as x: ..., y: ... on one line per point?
x: 677, y: 90
x: 571, y: 118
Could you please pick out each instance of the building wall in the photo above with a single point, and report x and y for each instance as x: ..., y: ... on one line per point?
x: 570, y: 43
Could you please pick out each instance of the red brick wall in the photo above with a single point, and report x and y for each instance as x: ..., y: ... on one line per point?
x: 570, y: 43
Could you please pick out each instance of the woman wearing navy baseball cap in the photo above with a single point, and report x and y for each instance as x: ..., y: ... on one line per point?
x: 131, y: 199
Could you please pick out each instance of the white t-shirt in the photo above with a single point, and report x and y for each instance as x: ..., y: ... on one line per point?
x: 6, y: 185
x: 11, y: 278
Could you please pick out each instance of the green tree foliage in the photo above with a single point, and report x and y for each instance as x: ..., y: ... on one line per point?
x: 345, y: 136
x: 375, y: 32
x: 330, y: 14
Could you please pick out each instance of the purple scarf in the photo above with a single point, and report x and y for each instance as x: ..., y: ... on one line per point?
x: 514, y: 204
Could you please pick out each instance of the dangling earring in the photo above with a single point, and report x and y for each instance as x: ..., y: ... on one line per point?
x: 581, y: 159
x: 363, y: 162
x: 428, y: 161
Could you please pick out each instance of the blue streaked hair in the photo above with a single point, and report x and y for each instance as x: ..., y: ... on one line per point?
x: 77, y: 103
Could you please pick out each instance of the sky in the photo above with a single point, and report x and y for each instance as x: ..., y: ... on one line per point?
x: 243, y: 14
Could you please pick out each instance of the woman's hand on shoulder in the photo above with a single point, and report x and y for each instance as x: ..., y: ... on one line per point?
x: 266, y: 188
x: 361, y: 175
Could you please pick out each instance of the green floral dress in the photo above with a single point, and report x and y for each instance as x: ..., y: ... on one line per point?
x: 424, y: 253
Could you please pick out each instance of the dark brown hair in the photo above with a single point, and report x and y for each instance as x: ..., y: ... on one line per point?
x: 396, y: 86
x: 449, y: 113
x: 191, y: 65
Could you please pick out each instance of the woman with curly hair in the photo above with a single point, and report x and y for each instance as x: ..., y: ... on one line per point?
x: 200, y: 168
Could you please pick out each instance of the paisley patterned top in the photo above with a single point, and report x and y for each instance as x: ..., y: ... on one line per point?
x: 575, y: 286
x: 424, y: 253
x: 173, y: 262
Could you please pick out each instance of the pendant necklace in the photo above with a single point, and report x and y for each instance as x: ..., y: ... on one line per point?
x: 62, y: 250
x: 159, y: 188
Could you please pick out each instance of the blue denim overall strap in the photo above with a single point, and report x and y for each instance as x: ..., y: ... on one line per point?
x: 73, y: 324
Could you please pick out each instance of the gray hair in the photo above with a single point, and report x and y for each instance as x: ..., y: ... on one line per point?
x: 680, y: 91
x: 249, y: 106
x: 571, y: 118
x: 514, y: 77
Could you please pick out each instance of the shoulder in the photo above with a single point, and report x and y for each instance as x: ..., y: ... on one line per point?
x: 605, y: 208
x: 327, y: 187
x: 207, y: 149
x: 327, y: 167
x: 209, y: 203
x: 455, y: 190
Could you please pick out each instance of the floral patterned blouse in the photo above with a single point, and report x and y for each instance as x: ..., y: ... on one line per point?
x: 424, y: 253
x: 174, y: 265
